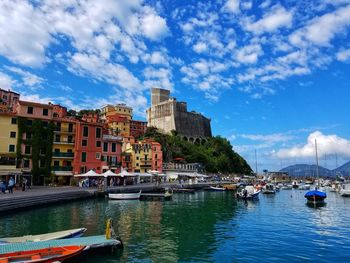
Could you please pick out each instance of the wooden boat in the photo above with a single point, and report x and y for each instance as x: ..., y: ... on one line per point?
x: 52, y: 254
x: 167, y: 195
x: 43, y: 237
x: 217, y: 188
x: 125, y: 196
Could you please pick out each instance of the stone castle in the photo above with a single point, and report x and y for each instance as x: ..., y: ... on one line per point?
x: 168, y: 114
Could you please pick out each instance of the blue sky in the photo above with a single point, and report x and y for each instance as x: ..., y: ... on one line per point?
x: 272, y: 76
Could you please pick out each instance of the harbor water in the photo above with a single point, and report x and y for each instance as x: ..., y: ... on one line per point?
x: 204, y: 227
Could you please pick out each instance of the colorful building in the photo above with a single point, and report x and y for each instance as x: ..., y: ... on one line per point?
x: 138, y: 128
x: 8, y: 144
x: 8, y: 100
x: 111, y: 153
x: 119, y: 124
x: 146, y: 156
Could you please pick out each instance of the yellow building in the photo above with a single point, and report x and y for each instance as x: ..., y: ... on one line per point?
x: 63, y: 148
x: 141, y: 157
x: 8, y: 144
x: 120, y: 109
x: 118, y: 118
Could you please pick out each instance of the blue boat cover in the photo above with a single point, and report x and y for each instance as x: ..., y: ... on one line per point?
x: 316, y: 193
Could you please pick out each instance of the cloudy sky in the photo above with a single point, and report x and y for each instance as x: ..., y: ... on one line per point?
x: 273, y: 76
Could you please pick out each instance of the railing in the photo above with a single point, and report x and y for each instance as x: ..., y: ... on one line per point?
x: 60, y: 154
x: 64, y: 130
x: 64, y: 141
x: 62, y: 168
x: 144, y: 159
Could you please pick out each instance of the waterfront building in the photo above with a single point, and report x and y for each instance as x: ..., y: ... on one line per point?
x: 88, y: 145
x: 146, y: 156
x: 111, y: 153
x: 138, y: 128
x: 119, y: 124
x: 8, y: 144
x: 35, y: 139
x: 8, y: 100
x: 167, y: 115
x: 119, y: 109
x: 63, y: 145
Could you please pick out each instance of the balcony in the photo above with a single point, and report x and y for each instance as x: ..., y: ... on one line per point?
x: 64, y: 141
x: 62, y: 168
x: 144, y: 159
x: 146, y: 165
x: 62, y: 155
x: 64, y: 131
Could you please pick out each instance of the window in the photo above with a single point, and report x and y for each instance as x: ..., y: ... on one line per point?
x: 156, y: 163
x: 69, y: 151
x: 86, y: 131
x: 58, y: 126
x: 29, y: 122
x: 114, y: 147
x: 57, y: 150
x: 42, y: 151
x: 56, y: 163
x: 30, y: 110
x: 28, y: 135
x: 57, y: 138
x: 98, y: 156
x: 84, y: 143
x: 137, y: 158
x: 11, y: 148
x: 70, y: 139
x: 45, y: 112
x: 26, y: 164
x: 83, y: 157
x: 70, y: 127
x: 137, y: 164
x: 27, y: 149
x: 4, y: 97
x: 98, y: 143
x: 156, y: 156
x: 14, y: 121
x: 13, y: 134
x: 105, y: 147
x: 98, y: 132
x: 69, y: 163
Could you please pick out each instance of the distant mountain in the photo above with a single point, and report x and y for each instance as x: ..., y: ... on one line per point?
x: 344, y: 169
x: 306, y: 170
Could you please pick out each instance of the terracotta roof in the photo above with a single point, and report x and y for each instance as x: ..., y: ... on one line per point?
x: 30, y: 103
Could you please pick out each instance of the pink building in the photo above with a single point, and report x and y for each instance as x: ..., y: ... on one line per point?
x: 8, y: 100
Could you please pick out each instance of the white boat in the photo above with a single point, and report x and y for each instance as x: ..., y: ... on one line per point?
x: 45, y: 237
x: 345, y: 190
x: 217, y: 188
x: 287, y: 187
x: 125, y: 196
x: 304, y: 187
x: 295, y: 184
x: 268, y: 189
x: 248, y: 193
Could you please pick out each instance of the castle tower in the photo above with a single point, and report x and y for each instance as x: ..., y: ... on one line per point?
x: 159, y: 95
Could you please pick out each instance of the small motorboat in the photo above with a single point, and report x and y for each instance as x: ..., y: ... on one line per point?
x: 217, y: 188
x: 248, y: 193
x: 47, y: 255
x: 345, y: 190
x: 304, y: 187
x: 44, y: 237
x: 125, y: 196
x: 268, y: 189
x: 315, y: 196
x: 295, y: 184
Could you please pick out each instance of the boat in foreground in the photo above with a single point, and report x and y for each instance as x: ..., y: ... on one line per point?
x: 315, y: 196
x: 125, y: 196
x: 43, y: 237
x: 248, y: 193
x: 345, y: 190
x: 51, y: 254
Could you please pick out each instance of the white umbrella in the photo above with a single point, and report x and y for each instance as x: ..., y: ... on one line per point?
x: 90, y: 173
x: 109, y: 173
x: 125, y: 173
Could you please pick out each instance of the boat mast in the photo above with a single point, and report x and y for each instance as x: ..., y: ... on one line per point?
x: 256, y: 164
x: 316, y: 159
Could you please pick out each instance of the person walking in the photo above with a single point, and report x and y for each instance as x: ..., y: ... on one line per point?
x: 3, y: 187
x: 11, y: 185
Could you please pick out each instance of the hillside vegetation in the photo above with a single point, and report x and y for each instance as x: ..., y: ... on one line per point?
x: 216, y: 153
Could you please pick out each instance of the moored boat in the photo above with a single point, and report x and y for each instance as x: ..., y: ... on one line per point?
x: 315, y: 196
x: 125, y: 196
x: 43, y: 237
x: 217, y: 188
x: 47, y: 255
x: 345, y: 190
x: 268, y: 189
x: 248, y: 193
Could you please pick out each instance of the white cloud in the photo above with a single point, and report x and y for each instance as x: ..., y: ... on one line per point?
x: 24, y: 33
x: 268, y: 138
x: 249, y: 54
x: 326, y: 144
x: 232, y: 6
x: 158, y: 77
x: 29, y: 79
x: 200, y: 47
x: 153, y: 26
x: 6, y: 82
x: 343, y: 55
x: 321, y: 30
x: 277, y: 17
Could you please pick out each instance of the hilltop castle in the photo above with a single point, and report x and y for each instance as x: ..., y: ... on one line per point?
x: 168, y: 114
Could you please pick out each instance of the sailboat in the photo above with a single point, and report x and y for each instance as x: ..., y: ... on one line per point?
x: 316, y: 196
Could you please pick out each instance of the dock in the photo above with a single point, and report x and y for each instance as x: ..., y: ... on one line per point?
x: 93, y: 242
